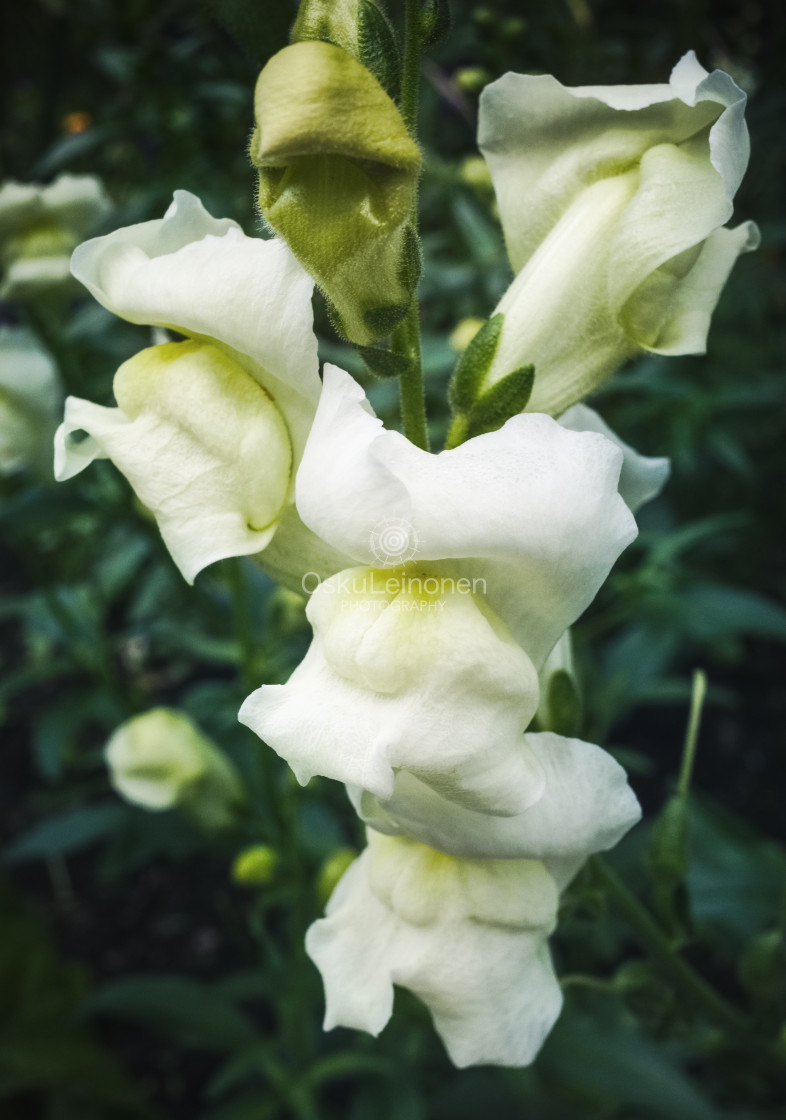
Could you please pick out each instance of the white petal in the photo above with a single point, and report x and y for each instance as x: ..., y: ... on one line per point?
x: 203, y: 277
x: 531, y: 510
x: 202, y: 445
x: 390, y: 683
x: 544, y: 141
x: 586, y: 806
x: 642, y: 477
x: 608, y: 196
x: 489, y: 986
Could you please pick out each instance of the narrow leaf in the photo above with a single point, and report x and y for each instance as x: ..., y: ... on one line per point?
x: 474, y: 364
x: 384, y: 363
x: 505, y: 399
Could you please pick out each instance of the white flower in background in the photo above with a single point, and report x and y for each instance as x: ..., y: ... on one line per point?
x: 468, y: 937
x: 208, y: 431
x: 30, y: 402
x: 39, y: 229
x: 412, y: 669
x: 161, y: 759
x: 613, y: 201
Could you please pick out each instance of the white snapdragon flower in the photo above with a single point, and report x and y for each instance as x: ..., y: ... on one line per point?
x: 30, y: 401
x: 412, y: 669
x: 613, y: 201
x: 161, y: 759
x: 208, y: 431
x: 40, y: 226
x: 468, y: 937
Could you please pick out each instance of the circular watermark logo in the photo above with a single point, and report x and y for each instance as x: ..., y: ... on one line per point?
x: 393, y: 541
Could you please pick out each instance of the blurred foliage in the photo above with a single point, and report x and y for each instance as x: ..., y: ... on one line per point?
x: 199, y: 1001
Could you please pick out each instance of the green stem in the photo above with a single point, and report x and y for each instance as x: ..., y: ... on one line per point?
x: 410, y: 68
x: 406, y: 340
x: 406, y: 337
x: 655, y: 941
x: 692, y: 733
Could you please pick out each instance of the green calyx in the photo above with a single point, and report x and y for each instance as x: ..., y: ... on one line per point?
x: 477, y: 410
x: 337, y: 180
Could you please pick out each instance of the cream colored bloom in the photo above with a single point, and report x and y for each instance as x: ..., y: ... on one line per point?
x: 427, y: 669
x: 39, y: 229
x: 208, y: 431
x: 161, y: 759
x: 613, y: 201
x: 468, y: 937
x: 30, y: 401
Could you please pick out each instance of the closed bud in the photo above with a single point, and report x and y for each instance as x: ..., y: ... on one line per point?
x: 161, y: 760
x: 337, y: 180
x: 255, y: 866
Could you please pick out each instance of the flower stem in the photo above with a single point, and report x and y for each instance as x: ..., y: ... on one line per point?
x: 410, y: 68
x: 654, y: 940
x: 406, y: 337
x: 406, y: 340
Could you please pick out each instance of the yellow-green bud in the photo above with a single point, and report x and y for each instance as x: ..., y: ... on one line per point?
x: 337, y: 180
x: 331, y: 871
x: 254, y: 866
x: 463, y: 333
x: 474, y: 171
x: 471, y: 79
x: 161, y: 759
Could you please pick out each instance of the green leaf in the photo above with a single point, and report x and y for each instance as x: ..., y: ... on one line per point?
x: 378, y: 47
x: 190, y: 1013
x: 69, y: 832
x: 506, y: 398
x: 474, y: 364
x: 411, y: 260
x: 384, y: 363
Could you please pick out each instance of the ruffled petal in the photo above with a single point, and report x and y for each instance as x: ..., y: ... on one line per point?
x: 530, y: 511
x: 609, y: 197
x: 396, y: 679
x: 482, y: 969
x: 642, y: 477
x: 203, y: 277
x: 202, y: 445
x: 586, y: 806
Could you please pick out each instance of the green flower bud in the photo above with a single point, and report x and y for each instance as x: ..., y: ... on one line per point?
x: 160, y: 760
x: 254, y: 866
x: 337, y: 180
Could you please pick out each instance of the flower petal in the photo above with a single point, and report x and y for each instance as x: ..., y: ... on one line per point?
x: 203, y: 277
x: 398, y: 681
x: 489, y: 985
x: 611, y: 200
x: 586, y: 806
x: 531, y: 509
x: 642, y: 477
x: 202, y: 445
